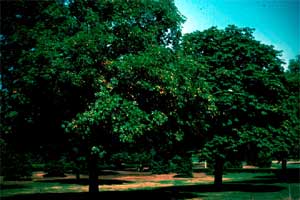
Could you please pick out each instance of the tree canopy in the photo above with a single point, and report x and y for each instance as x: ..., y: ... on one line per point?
x: 292, y: 103
x: 99, y: 74
x: 247, y: 92
x: 54, y: 58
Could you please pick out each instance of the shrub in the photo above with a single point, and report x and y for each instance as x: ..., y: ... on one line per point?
x: 118, y: 159
x: 159, y: 167
x: 233, y: 164
x: 182, y: 166
x: 262, y: 161
x: 55, y: 168
x: 16, y: 166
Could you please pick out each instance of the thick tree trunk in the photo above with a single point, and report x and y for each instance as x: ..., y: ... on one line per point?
x: 283, y: 157
x: 77, y: 175
x: 283, y: 168
x: 218, y: 172
x: 93, y: 175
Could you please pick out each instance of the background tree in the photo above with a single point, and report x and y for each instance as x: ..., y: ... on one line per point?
x: 17, y: 114
x: 247, y: 94
x: 293, y: 107
x: 294, y: 65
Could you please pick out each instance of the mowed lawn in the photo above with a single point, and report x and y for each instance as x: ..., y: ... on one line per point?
x: 143, y: 185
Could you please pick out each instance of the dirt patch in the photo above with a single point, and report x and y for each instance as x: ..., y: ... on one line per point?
x: 111, y: 181
x: 143, y: 185
x: 249, y: 167
x: 135, y: 177
x: 145, y: 180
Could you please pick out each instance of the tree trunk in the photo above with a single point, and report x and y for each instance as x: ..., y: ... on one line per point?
x: 77, y: 175
x: 219, y: 163
x: 284, y: 156
x: 93, y: 175
x: 283, y: 168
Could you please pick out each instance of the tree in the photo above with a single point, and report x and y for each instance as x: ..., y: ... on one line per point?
x: 294, y: 65
x: 55, y: 66
x: 292, y: 106
x: 147, y: 96
x: 246, y: 109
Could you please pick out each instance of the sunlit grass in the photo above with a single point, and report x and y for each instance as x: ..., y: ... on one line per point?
x: 237, y: 186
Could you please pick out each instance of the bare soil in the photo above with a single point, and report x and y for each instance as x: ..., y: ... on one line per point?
x: 127, y: 180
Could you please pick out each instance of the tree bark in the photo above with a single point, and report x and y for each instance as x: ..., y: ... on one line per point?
x: 77, y: 172
x: 283, y: 169
x: 93, y: 175
x: 283, y: 157
x: 218, y: 172
x: 283, y: 166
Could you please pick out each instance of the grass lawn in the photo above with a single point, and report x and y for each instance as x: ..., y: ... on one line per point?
x: 127, y: 185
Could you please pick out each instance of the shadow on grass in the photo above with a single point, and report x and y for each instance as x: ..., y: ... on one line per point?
x: 132, y: 195
x: 84, y: 181
x: 258, y: 185
x: 227, y: 187
x: 13, y: 186
x: 108, y: 172
x: 291, y: 176
x: 167, y: 193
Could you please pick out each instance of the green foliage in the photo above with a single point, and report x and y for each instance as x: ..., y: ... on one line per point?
x: 247, y: 91
x: 138, y: 159
x: 110, y: 73
x: 142, y: 158
x: 292, y: 106
x: 181, y: 165
x: 52, y: 55
x: 264, y: 161
x: 15, y: 165
x: 10, y: 162
x: 294, y: 65
x: 113, y: 113
x: 54, y: 168
x: 261, y: 160
x: 233, y: 164
x: 173, y: 162
x: 38, y: 166
x: 118, y: 159
x: 159, y: 166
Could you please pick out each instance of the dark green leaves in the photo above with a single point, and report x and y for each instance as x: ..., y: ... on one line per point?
x: 247, y: 88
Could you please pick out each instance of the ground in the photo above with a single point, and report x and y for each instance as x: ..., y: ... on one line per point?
x: 109, y: 181
x: 144, y: 185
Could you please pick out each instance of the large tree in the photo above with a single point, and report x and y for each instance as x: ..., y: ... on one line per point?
x: 292, y: 105
x: 154, y: 96
x: 55, y: 65
x: 53, y: 54
x: 247, y: 94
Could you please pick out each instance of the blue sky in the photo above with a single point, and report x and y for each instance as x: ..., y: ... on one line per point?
x: 276, y: 22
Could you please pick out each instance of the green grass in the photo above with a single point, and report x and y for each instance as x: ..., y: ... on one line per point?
x: 240, y: 186
x: 173, y: 182
x: 251, y: 192
x: 36, y: 188
x: 291, y: 166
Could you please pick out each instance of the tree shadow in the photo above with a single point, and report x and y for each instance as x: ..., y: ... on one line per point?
x: 167, y: 193
x: 291, y: 176
x: 108, y: 172
x: 229, y: 187
x: 261, y: 184
x: 132, y: 195
x: 12, y: 186
x: 84, y: 181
